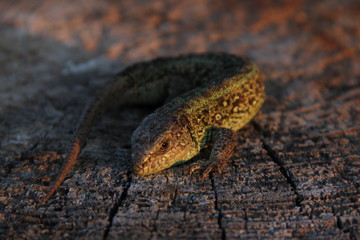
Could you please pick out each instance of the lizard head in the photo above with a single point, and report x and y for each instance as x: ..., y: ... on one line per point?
x: 159, y: 142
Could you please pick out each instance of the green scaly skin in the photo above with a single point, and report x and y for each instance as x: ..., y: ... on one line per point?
x: 223, y: 92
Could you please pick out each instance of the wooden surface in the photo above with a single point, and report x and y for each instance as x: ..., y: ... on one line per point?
x: 295, y: 172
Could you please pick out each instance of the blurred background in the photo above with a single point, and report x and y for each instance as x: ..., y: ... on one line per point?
x: 140, y: 29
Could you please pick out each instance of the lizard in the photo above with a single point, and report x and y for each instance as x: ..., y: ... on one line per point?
x: 223, y: 93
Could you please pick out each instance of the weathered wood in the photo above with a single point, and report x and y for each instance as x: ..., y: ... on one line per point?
x: 295, y: 172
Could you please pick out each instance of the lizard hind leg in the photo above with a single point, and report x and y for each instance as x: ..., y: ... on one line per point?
x: 225, y: 141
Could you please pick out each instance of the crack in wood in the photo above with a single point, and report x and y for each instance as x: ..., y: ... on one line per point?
x: 118, y: 204
x: 218, y: 209
x: 173, y: 200
x: 272, y: 154
x: 284, y: 172
x: 340, y: 225
x: 246, y: 219
x: 155, y: 228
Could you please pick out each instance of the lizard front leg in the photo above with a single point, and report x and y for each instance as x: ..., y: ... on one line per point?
x: 225, y: 141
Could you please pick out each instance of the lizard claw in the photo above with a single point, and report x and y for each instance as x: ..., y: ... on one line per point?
x: 193, y: 168
x: 205, y: 168
x: 214, y: 168
x: 197, y: 166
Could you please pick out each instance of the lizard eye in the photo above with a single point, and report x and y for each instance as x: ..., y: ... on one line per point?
x: 164, y: 144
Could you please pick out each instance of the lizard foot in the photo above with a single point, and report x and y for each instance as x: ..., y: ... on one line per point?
x: 214, y: 168
x: 196, y: 166
x: 205, y: 168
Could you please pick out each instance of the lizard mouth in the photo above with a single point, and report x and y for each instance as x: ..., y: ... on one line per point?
x: 140, y: 169
x: 149, y: 164
x: 141, y: 163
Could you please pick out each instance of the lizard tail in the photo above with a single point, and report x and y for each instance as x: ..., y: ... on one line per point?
x: 91, y: 115
x: 70, y: 161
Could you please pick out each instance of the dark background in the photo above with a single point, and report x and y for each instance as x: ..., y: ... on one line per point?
x: 294, y: 174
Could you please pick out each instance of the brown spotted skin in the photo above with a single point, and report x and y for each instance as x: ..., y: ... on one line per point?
x: 224, y: 93
x: 225, y: 103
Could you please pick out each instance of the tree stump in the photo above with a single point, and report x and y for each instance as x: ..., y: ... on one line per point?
x: 295, y: 171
